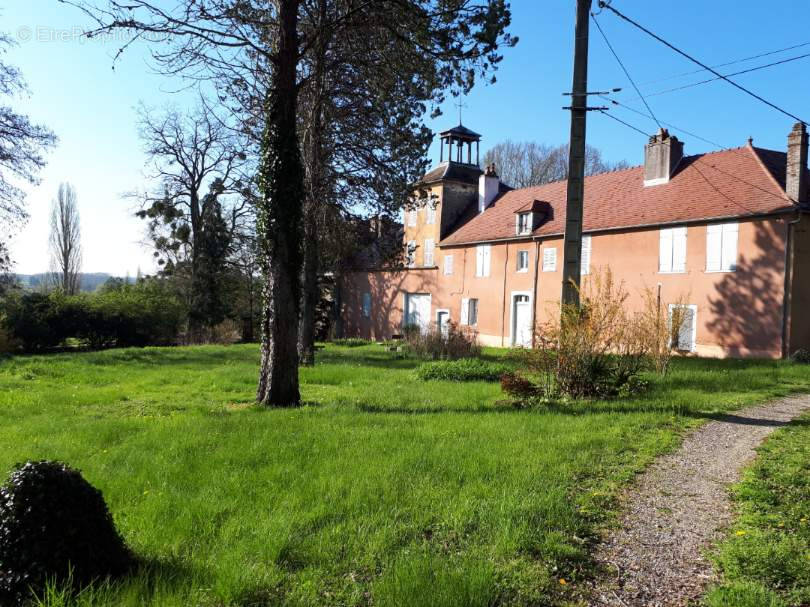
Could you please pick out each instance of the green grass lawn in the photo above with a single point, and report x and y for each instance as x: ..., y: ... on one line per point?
x: 766, y: 558
x: 383, y: 490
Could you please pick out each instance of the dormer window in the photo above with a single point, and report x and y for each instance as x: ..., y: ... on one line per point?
x: 524, y: 223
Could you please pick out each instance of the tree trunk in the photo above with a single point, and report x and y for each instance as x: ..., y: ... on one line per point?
x: 311, y: 295
x: 279, y: 222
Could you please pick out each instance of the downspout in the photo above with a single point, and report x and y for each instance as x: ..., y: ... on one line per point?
x: 534, y: 288
x: 503, y: 306
x: 787, y: 295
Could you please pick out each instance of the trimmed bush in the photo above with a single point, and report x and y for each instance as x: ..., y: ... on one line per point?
x: 351, y: 342
x: 449, y: 344
x: 465, y: 369
x: 54, y: 527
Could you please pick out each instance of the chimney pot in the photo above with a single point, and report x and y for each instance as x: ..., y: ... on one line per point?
x: 796, y: 178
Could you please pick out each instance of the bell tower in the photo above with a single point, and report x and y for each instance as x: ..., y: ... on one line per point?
x: 453, y: 143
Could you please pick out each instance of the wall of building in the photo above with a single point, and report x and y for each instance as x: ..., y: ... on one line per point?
x: 799, y: 319
x: 739, y: 313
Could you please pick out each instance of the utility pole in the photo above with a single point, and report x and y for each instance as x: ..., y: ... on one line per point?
x: 572, y: 247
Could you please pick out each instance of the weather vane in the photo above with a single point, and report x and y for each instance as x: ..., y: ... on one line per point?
x: 460, y: 105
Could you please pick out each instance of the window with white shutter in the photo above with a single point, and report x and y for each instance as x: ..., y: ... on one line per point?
x: 430, y: 212
x: 465, y: 310
x: 523, y: 261
x: 550, y: 260
x: 482, y: 257
x: 411, y: 253
x: 585, y: 260
x: 721, y: 247
x: 412, y: 217
x: 672, y: 250
x: 448, y: 265
x: 472, y: 313
x: 683, y: 336
x: 428, y: 253
x: 524, y: 224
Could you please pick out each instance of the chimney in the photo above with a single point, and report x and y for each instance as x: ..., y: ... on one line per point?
x: 796, y: 178
x: 661, y: 156
x: 488, y: 186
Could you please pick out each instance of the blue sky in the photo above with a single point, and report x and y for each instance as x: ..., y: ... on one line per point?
x: 91, y: 107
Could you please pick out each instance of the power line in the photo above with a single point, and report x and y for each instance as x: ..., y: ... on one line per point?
x: 751, y: 69
x: 727, y: 63
x: 627, y: 124
x: 603, y: 4
x: 669, y: 124
x: 624, y: 69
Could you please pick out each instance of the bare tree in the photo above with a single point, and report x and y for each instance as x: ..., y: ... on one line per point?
x: 528, y: 163
x: 22, y: 152
x: 65, y: 241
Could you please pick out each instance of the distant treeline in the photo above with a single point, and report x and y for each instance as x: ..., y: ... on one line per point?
x: 88, y: 282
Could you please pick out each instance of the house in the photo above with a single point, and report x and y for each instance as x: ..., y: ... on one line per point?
x: 725, y: 232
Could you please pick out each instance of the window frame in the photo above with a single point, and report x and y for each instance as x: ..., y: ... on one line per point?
x: 522, y: 227
x: 724, y: 231
x: 483, y: 260
x: 522, y: 253
x: 693, y: 308
x: 585, y: 260
x: 410, y: 252
x: 429, y: 250
x: 413, y: 217
x: 672, y: 233
x: 448, y: 267
x: 472, y: 306
x: 430, y: 213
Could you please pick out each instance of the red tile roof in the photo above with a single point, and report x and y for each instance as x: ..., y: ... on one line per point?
x: 739, y: 182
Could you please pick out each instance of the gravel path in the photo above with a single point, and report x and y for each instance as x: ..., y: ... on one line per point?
x: 678, y: 507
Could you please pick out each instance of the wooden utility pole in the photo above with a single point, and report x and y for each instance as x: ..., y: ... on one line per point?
x: 572, y: 249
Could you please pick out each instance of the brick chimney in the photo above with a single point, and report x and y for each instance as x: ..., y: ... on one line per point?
x: 488, y: 186
x: 796, y: 178
x: 661, y: 156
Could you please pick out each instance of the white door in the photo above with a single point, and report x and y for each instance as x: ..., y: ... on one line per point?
x: 522, y: 324
x: 417, y: 310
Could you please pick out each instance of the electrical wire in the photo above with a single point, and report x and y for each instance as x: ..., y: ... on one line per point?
x: 749, y: 70
x: 727, y: 63
x: 603, y: 4
x: 669, y: 124
x: 627, y: 124
x: 624, y: 69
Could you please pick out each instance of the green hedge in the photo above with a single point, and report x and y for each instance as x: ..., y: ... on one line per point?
x: 464, y: 369
x: 123, y: 315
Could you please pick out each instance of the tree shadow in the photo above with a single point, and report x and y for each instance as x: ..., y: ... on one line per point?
x: 746, y: 309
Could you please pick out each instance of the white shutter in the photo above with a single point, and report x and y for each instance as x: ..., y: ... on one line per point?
x: 714, y: 245
x: 665, y: 250
x: 729, y: 249
x: 585, y: 260
x: 428, y: 254
x: 679, y: 249
x: 487, y: 254
x: 465, y: 310
x: 412, y: 217
x: 448, y: 265
x: 411, y: 253
x: 550, y: 260
x: 479, y: 261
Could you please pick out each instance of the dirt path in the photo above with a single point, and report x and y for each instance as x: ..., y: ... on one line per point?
x: 678, y: 507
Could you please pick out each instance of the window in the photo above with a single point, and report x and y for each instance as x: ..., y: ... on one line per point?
x: 550, y: 260
x: 524, y: 224
x: 482, y: 256
x: 366, y: 305
x: 585, y: 260
x: 428, y: 253
x: 412, y: 217
x: 672, y: 250
x: 683, y: 337
x: 721, y: 247
x: 523, y: 261
x: 430, y: 212
x: 411, y: 253
x: 448, y: 265
x: 469, y: 311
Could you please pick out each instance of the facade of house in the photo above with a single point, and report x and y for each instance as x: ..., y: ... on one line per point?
x: 725, y: 234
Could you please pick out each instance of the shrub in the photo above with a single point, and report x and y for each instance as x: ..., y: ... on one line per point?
x: 465, y: 369
x: 351, y: 342
x: 802, y: 356
x: 54, y: 526
x: 437, y: 344
x: 518, y: 387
